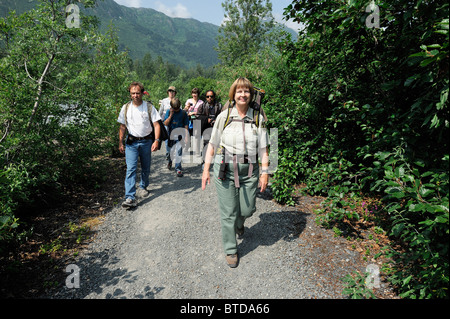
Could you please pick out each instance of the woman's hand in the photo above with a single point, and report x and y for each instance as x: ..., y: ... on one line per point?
x: 206, y: 178
x: 263, y: 181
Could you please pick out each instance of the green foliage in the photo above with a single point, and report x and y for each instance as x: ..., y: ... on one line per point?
x: 360, y: 112
x: 58, y: 110
x: 203, y: 84
x: 418, y: 202
x: 244, y: 30
x: 182, y: 42
x: 356, y: 288
x: 366, y: 103
x: 7, y: 226
x: 157, y: 75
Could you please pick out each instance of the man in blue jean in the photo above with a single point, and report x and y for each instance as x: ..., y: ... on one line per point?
x: 178, y: 122
x: 135, y: 118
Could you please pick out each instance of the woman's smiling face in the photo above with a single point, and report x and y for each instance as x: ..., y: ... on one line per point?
x: 242, y: 96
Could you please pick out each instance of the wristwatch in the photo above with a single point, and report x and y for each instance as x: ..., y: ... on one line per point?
x: 158, y: 140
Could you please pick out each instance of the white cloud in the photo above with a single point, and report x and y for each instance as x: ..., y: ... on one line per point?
x: 130, y: 3
x: 225, y: 20
x: 290, y: 23
x: 179, y: 11
x: 294, y: 25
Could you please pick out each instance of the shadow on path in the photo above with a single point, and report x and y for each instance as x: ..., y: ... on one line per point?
x: 272, y: 227
x: 100, y: 271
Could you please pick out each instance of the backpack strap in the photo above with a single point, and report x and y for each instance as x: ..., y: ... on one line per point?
x: 126, y: 111
x: 227, y: 122
x: 229, y: 105
x: 256, y: 117
x: 255, y: 121
x: 228, y: 119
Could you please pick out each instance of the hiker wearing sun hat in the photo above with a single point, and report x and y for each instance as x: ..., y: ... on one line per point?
x: 164, y: 106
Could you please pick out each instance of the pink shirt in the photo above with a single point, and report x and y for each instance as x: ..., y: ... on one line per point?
x: 194, y: 106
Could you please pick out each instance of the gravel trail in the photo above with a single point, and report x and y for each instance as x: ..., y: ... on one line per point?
x: 169, y: 247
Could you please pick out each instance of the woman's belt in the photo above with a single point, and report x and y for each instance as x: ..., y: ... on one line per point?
x: 241, y: 159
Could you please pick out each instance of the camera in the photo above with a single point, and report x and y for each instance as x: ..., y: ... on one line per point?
x: 223, y: 168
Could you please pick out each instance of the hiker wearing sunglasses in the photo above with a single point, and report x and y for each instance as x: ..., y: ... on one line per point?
x: 208, y: 113
x: 210, y: 109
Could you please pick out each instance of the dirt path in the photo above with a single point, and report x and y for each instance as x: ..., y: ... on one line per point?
x: 169, y: 247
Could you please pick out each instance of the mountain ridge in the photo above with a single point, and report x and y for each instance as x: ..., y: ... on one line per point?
x: 184, y: 42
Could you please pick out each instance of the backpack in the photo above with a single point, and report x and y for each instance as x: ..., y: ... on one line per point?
x: 163, y: 132
x: 257, y: 110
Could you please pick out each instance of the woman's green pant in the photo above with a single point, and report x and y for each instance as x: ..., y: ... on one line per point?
x: 235, y: 204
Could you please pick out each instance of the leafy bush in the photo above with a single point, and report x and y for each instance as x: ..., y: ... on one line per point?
x: 356, y: 288
x: 57, y: 109
x: 418, y: 203
x: 366, y: 104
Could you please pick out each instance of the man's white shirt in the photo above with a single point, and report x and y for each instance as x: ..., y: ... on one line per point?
x: 138, y: 123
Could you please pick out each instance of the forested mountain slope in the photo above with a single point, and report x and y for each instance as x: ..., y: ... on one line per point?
x: 184, y: 42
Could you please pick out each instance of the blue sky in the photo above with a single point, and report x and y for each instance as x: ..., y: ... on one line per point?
x: 203, y: 10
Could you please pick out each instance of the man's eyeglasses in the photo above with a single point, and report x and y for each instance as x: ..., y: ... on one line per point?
x: 209, y: 96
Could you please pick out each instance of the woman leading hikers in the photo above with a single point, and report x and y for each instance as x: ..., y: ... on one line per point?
x: 239, y: 141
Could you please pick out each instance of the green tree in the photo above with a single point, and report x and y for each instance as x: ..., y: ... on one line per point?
x: 59, y: 90
x: 148, y: 67
x: 245, y: 29
x: 362, y: 104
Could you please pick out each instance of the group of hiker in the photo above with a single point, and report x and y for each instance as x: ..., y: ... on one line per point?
x: 237, y: 148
